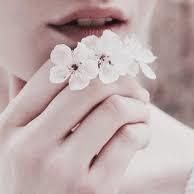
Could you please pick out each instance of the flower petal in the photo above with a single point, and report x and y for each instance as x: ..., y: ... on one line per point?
x: 90, y: 41
x: 108, y: 74
x: 78, y: 81
x: 140, y: 53
x: 91, y: 68
x: 122, y: 60
x: 109, y: 42
x: 133, y: 69
x: 58, y: 74
x: 146, y: 56
x: 61, y: 55
x: 82, y: 53
x: 148, y: 72
x: 109, y: 38
x: 132, y: 43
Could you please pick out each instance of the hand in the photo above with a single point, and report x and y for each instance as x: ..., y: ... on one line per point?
x: 40, y: 153
x: 165, y: 165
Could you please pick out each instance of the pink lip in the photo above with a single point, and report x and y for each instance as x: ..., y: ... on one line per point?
x: 73, y: 34
x: 89, y: 13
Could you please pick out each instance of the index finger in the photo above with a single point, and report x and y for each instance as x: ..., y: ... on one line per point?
x: 32, y: 99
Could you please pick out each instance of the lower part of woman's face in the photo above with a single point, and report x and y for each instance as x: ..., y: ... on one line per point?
x: 31, y: 28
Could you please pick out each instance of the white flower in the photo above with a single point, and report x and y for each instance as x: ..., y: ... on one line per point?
x: 110, y: 54
x: 79, y: 66
x: 107, y: 56
x: 142, y: 57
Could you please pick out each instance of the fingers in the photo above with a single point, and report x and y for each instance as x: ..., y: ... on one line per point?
x: 15, y: 85
x: 100, y: 126
x: 112, y: 162
x: 33, y: 98
x: 69, y: 108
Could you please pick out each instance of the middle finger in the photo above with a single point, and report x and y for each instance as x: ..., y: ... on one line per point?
x: 70, y: 107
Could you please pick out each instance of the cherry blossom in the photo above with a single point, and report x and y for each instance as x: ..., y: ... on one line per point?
x: 142, y: 56
x: 110, y: 54
x: 78, y: 66
x: 107, y: 57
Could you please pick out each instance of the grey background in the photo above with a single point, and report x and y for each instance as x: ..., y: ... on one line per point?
x: 173, y: 43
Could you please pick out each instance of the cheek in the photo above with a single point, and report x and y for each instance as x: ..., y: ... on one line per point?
x: 146, y: 9
x: 24, y: 41
x: 144, y: 13
x: 137, y: 10
x: 23, y: 52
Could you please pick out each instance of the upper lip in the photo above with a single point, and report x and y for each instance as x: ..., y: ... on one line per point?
x: 90, y: 12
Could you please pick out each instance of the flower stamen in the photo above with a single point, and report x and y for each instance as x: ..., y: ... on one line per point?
x: 74, y: 67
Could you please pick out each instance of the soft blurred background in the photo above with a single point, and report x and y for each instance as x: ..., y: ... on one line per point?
x: 173, y: 43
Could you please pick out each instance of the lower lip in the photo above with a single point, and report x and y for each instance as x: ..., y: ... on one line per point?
x: 76, y: 33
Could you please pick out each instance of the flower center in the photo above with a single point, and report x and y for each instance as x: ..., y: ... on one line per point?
x: 104, y: 59
x: 74, y: 67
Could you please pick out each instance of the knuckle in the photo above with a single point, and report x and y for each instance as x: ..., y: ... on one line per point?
x: 139, y: 110
x: 145, y: 95
x: 115, y: 104
x: 137, y: 135
x: 146, y: 113
x: 127, y: 109
x: 101, y: 89
x: 126, y: 136
x: 140, y: 92
x: 135, y: 88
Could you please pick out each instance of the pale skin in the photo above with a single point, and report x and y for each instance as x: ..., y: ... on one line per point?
x: 38, y: 157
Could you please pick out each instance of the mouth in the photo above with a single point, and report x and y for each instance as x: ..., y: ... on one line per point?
x: 91, y: 21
